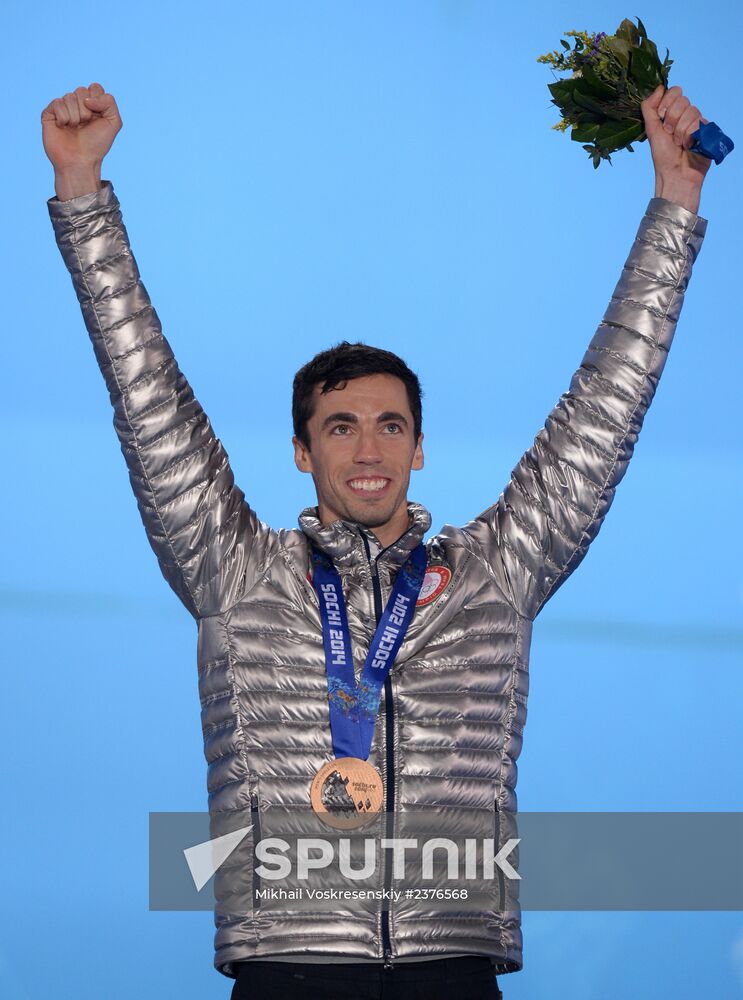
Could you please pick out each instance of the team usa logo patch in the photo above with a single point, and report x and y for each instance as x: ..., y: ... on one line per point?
x: 435, y: 582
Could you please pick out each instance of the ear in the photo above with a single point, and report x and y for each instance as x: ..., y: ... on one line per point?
x: 417, y: 462
x: 302, y: 457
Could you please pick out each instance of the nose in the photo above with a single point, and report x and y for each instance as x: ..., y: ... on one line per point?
x: 368, y: 451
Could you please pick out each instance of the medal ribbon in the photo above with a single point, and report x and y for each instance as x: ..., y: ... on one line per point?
x: 353, y: 708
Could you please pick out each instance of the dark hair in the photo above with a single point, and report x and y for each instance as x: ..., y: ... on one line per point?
x: 339, y: 364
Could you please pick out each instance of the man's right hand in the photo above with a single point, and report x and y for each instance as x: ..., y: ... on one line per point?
x: 78, y: 130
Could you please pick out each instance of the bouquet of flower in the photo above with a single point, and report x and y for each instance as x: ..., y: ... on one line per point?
x: 611, y: 75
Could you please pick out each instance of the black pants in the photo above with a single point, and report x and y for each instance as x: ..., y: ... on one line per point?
x: 442, y: 979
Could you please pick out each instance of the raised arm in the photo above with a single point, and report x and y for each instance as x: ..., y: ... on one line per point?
x: 209, y: 543
x: 540, y: 528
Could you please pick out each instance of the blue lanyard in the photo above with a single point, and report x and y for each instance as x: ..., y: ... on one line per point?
x: 353, y: 708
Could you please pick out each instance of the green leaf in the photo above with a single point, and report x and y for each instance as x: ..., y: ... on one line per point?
x: 587, y: 102
x: 565, y: 45
x: 619, y: 48
x: 644, y: 70
x: 585, y: 133
x: 614, y: 135
x: 598, y: 86
x: 647, y: 46
x: 641, y: 28
x: 583, y: 114
x: 629, y: 32
x: 667, y: 63
x: 562, y: 90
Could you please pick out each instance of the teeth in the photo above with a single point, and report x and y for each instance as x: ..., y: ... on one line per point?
x: 368, y: 484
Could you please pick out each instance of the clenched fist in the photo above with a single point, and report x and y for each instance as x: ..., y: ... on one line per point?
x: 78, y: 130
x: 670, y: 120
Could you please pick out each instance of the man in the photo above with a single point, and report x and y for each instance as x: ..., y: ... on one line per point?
x: 437, y: 635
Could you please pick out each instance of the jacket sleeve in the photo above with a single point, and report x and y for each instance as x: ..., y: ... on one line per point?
x: 208, y: 541
x: 540, y: 528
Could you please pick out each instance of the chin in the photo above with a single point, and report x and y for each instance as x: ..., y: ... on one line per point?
x: 373, y: 517
x: 373, y: 521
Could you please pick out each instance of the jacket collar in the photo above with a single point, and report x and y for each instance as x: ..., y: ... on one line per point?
x: 342, y: 540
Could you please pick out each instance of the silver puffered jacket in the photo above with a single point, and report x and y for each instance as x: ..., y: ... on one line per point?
x: 450, y: 725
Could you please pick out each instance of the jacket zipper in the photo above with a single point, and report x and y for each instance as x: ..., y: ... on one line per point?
x: 255, y: 818
x: 389, y: 733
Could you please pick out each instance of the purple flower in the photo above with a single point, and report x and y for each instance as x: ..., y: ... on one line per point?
x: 595, y: 44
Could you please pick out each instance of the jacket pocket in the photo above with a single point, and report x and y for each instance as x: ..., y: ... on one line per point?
x: 506, y: 834
x: 499, y: 839
x: 255, y: 819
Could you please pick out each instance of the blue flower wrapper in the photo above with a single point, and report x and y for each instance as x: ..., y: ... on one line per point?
x: 711, y: 141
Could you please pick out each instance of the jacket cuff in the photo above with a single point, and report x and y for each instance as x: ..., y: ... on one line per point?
x: 84, y: 204
x: 678, y: 215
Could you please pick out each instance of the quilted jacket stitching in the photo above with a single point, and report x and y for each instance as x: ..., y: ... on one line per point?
x: 119, y: 291
x: 630, y: 329
x: 202, y: 586
x: 82, y: 240
x: 130, y: 318
x: 638, y: 305
x: 674, y: 222
x: 140, y: 348
x: 150, y: 375
x: 533, y: 534
x: 662, y: 247
x: 671, y: 300
x: 198, y: 418
x: 196, y: 488
x: 182, y: 461
x: 577, y: 436
x: 158, y: 406
x: 505, y: 755
x: 99, y: 264
x: 638, y: 369
x: 123, y: 401
x: 599, y: 417
x: 560, y: 461
x: 238, y: 719
x: 649, y: 274
x: 617, y: 390
x: 536, y: 502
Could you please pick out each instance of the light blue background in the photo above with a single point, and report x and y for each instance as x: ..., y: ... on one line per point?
x: 292, y: 174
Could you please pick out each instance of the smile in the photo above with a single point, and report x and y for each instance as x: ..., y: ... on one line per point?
x: 369, y: 486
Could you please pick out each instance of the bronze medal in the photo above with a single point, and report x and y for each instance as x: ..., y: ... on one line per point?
x: 347, y: 793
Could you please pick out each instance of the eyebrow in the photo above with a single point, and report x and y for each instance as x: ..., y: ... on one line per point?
x: 351, y: 418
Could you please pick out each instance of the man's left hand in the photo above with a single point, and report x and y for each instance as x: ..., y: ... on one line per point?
x: 670, y: 120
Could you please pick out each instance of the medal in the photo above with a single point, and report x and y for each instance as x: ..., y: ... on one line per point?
x: 347, y: 792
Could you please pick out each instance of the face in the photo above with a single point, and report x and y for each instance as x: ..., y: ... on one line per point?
x: 362, y: 453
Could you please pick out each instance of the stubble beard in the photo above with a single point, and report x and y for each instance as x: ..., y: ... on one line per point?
x: 368, y: 517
